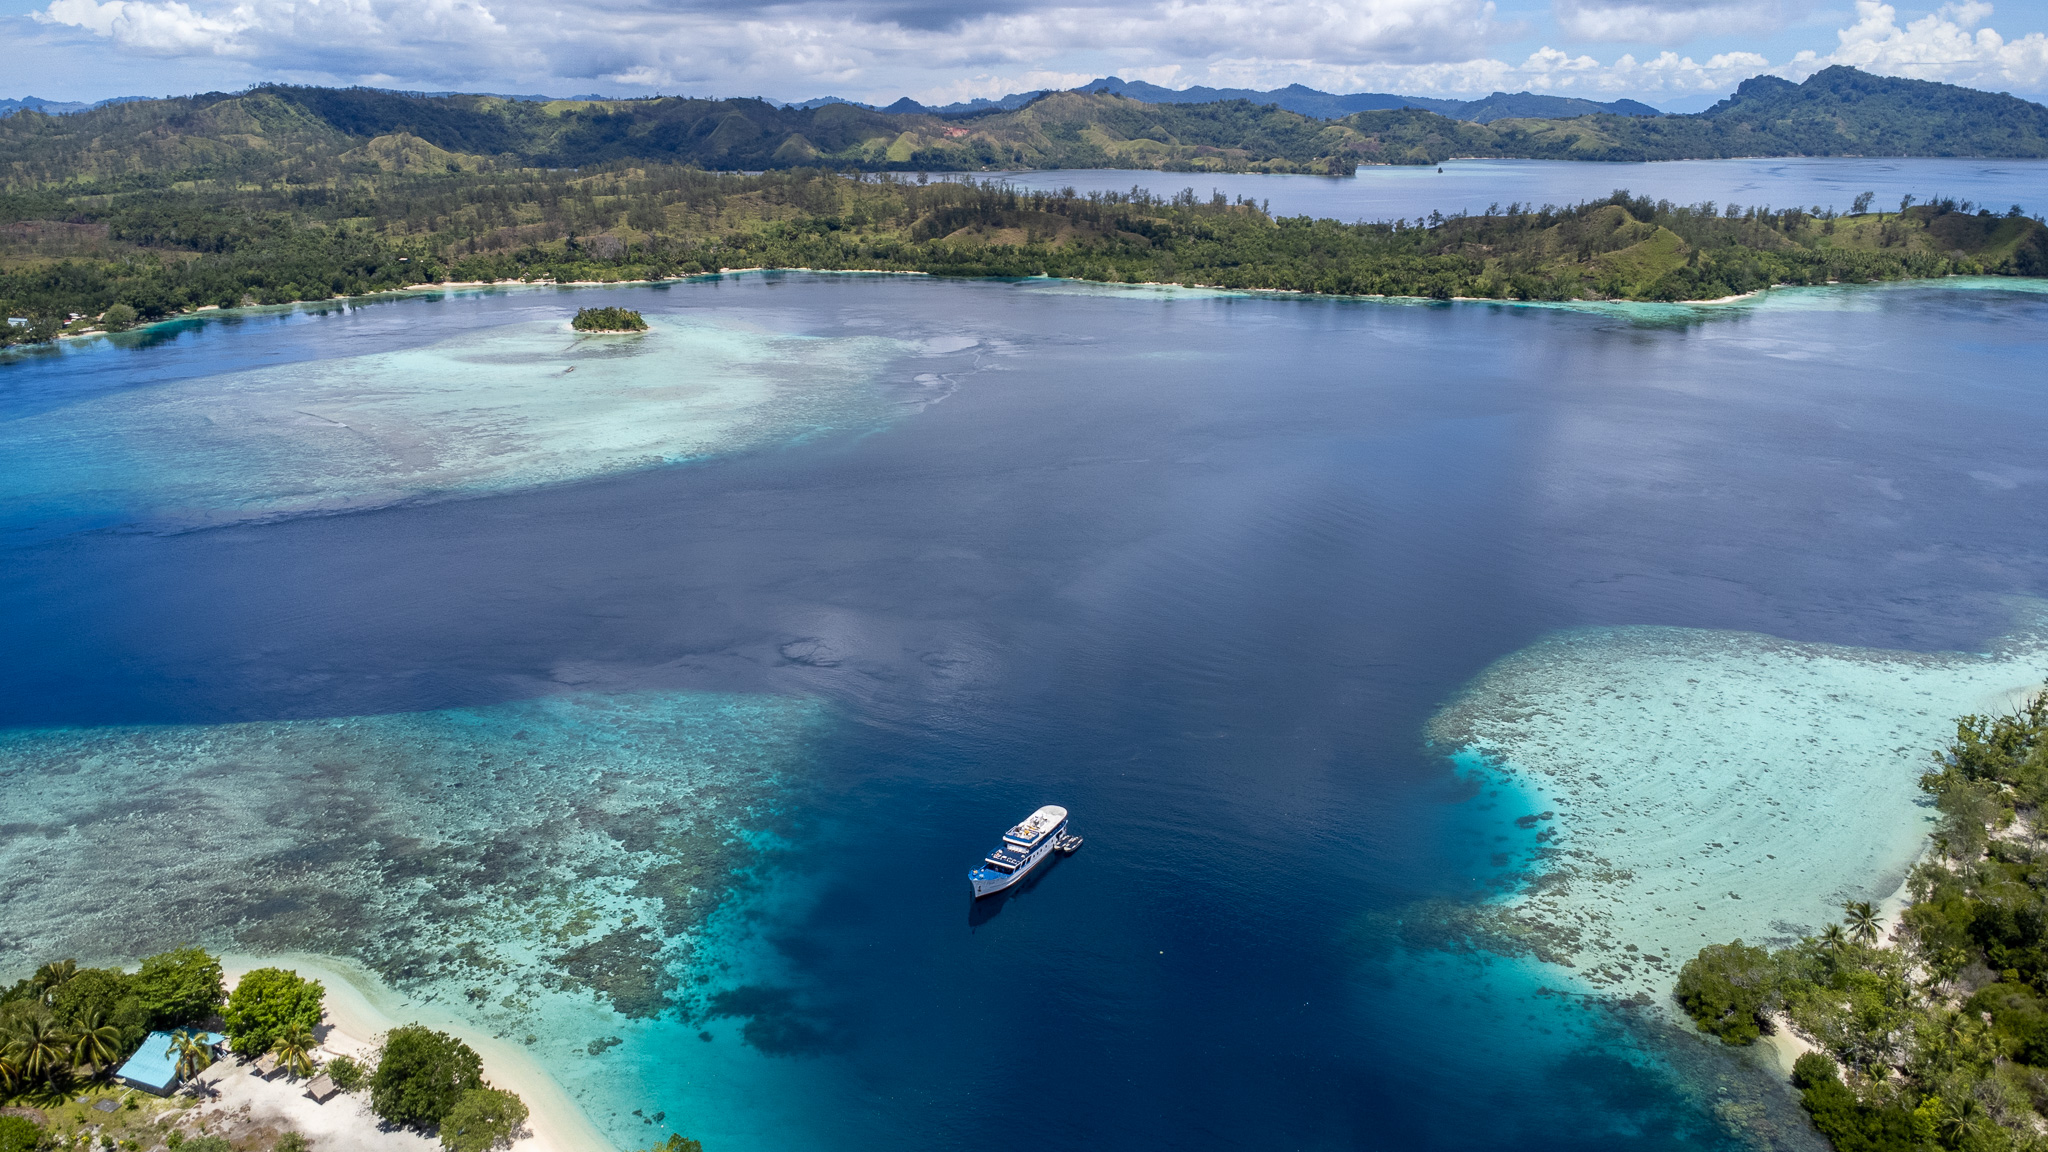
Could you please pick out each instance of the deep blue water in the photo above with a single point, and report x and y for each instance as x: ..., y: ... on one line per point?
x: 1387, y: 192
x: 1199, y: 568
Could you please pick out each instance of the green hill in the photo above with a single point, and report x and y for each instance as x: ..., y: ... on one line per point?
x: 314, y: 135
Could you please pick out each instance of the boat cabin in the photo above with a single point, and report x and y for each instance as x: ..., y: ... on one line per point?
x: 1006, y: 859
x: 1036, y: 827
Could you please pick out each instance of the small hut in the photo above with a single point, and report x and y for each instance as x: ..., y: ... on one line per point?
x: 154, y: 1066
x: 321, y: 1089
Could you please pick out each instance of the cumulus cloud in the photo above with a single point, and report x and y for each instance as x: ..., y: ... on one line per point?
x: 1946, y: 45
x: 1667, y: 21
x: 166, y: 28
x: 878, y: 49
x: 720, y: 41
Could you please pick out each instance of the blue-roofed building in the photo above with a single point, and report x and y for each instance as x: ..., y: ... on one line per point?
x: 154, y: 1067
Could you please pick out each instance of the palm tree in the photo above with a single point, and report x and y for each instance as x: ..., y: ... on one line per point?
x: 1832, y: 937
x: 53, y: 976
x: 194, y: 1053
x: 294, y: 1052
x: 94, y: 1041
x: 1960, y: 1118
x: 38, y: 1048
x: 1863, y: 921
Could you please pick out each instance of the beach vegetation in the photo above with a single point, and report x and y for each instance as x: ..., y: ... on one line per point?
x: 19, y: 1134
x: 106, y: 996
x: 180, y: 986
x: 482, y: 1118
x: 269, y: 1004
x: 608, y: 320
x: 421, y: 1074
x: 1930, y: 1032
x: 346, y: 1073
x: 170, y: 251
x: 290, y: 1142
x: 1727, y: 990
x: 294, y: 1051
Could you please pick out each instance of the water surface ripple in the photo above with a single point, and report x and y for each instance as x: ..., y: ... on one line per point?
x: 693, y: 750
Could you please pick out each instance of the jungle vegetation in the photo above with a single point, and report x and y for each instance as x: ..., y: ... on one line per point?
x: 1934, y: 1036
x: 298, y: 134
x: 95, y: 256
x: 608, y: 320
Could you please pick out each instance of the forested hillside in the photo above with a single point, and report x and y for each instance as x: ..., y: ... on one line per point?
x: 83, y: 257
x: 307, y: 135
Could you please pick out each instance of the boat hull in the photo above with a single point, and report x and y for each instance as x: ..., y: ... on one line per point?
x: 987, y: 883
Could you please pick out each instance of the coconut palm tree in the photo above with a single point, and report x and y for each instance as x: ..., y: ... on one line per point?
x: 1959, y: 1118
x: 53, y: 976
x: 39, y: 1049
x: 294, y: 1051
x: 1864, y: 923
x: 94, y: 1041
x: 1832, y: 938
x: 194, y: 1053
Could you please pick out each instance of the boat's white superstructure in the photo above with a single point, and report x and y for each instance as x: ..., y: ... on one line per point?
x: 1023, y: 848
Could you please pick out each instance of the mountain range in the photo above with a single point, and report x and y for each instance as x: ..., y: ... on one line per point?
x: 1294, y: 98
x: 305, y: 135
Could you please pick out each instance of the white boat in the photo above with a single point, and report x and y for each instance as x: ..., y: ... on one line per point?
x: 1024, y: 848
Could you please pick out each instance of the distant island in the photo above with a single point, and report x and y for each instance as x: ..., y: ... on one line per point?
x: 1932, y: 1034
x: 279, y: 131
x: 140, y: 210
x: 114, y: 253
x: 608, y: 320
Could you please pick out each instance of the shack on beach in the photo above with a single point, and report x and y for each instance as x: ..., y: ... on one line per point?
x: 321, y: 1089
x: 154, y: 1067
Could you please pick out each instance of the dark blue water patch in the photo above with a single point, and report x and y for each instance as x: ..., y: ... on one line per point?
x: 1199, y: 569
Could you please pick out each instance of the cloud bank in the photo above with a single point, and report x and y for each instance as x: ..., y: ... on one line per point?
x: 882, y: 48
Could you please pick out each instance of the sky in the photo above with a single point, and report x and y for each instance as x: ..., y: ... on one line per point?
x: 1678, y: 55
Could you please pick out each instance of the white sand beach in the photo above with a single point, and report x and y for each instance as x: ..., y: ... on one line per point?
x: 1703, y: 786
x: 360, y: 1009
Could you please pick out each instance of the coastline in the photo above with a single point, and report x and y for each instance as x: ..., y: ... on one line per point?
x: 361, y: 1008
x: 1594, y: 304
x: 1647, y: 851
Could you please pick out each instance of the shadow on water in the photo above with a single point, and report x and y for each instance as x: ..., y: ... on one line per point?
x: 983, y: 909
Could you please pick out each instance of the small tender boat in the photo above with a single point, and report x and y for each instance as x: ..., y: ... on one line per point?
x: 1022, y: 849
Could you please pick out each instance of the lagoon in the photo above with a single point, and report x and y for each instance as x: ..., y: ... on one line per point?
x: 653, y: 727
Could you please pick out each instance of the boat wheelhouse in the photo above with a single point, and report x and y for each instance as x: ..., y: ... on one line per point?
x: 1023, y: 848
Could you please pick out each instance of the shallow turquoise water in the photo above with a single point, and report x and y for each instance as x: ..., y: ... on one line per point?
x: 695, y: 737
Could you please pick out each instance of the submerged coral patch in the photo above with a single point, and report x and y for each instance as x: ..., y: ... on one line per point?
x: 506, y: 408
x: 495, y: 859
x: 1706, y: 784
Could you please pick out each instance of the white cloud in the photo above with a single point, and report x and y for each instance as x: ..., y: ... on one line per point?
x: 1946, y: 45
x: 1666, y: 21
x: 944, y: 50
x: 161, y: 28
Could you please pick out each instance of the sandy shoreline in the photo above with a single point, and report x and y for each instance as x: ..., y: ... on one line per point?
x: 361, y: 1008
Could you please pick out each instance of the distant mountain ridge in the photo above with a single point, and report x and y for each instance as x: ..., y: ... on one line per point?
x: 290, y: 134
x: 58, y: 107
x: 1294, y: 98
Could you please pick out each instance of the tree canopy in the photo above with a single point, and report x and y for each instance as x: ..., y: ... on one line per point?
x: 269, y: 1004
x: 180, y: 986
x: 421, y: 1074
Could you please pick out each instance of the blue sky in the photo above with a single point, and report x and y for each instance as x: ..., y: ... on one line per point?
x: 1677, y: 54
